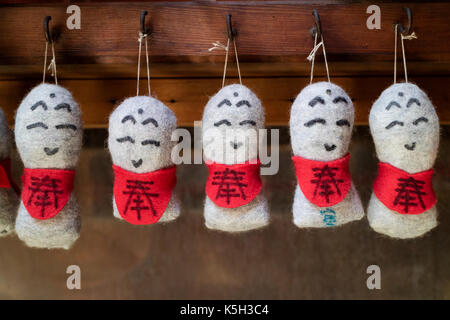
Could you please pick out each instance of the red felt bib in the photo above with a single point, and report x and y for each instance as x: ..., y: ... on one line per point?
x: 46, y: 191
x: 403, y: 192
x: 6, y: 180
x: 232, y: 186
x: 324, y: 183
x: 142, y: 198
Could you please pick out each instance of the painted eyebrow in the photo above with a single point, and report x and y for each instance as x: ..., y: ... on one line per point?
x: 150, y: 120
x: 343, y: 122
x: 417, y: 121
x: 393, y: 123
x: 411, y: 101
x: 224, y: 101
x: 340, y: 99
x: 36, y: 125
x: 224, y: 121
x: 66, y: 126
x: 393, y: 103
x: 253, y: 123
x: 39, y: 104
x: 314, y: 121
x: 124, y: 139
x: 154, y: 142
x: 64, y: 106
x: 242, y: 102
x: 316, y: 100
x: 129, y: 118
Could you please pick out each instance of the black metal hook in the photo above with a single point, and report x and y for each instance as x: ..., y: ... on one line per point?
x: 144, y: 30
x: 408, y: 28
x: 48, y: 35
x: 230, y: 30
x: 317, y: 28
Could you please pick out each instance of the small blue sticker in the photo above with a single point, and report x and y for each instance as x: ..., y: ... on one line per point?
x: 329, y: 217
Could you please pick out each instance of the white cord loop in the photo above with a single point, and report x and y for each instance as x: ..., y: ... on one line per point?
x: 402, y: 37
x: 219, y: 46
x: 312, y: 55
x: 52, y: 64
x: 143, y: 36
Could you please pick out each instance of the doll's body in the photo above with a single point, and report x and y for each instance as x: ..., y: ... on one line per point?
x: 140, y: 131
x: 405, y: 129
x: 48, y: 135
x: 8, y: 196
x: 321, y: 125
x: 231, y: 121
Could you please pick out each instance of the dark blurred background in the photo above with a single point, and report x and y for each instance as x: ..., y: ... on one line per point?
x: 184, y: 260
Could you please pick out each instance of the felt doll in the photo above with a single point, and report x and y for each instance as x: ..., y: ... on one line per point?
x: 405, y: 129
x: 321, y: 125
x: 9, y: 199
x: 231, y: 121
x: 140, y: 130
x: 48, y: 134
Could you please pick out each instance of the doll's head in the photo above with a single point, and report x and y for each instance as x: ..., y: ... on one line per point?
x: 321, y: 122
x: 405, y: 128
x: 48, y: 128
x: 5, y: 137
x: 231, y: 122
x: 140, y: 131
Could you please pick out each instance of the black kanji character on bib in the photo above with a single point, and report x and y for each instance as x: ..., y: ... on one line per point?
x: 44, y: 192
x: 230, y: 184
x: 139, y: 197
x: 326, y: 183
x: 409, y: 193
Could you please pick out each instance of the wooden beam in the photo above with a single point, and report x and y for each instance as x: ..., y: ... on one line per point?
x: 183, y: 31
x: 213, y: 70
x: 187, y: 97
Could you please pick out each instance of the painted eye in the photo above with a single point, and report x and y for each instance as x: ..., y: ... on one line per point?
x: 343, y: 122
x: 66, y: 126
x: 251, y: 122
x: 340, y: 99
x: 411, y: 101
x: 243, y: 103
x: 419, y: 120
x: 152, y: 142
x: 394, y: 123
x: 224, y: 101
x: 125, y: 139
x: 224, y: 121
x: 312, y: 122
x: 37, y: 125
x: 315, y: 101
x: 64, y: 106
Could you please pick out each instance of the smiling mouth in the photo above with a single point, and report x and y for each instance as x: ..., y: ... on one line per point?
x: 411, y: 146
x: 51, y: 152
x: 329, y: 147
x: 236, y: 145
x: 136, y: 164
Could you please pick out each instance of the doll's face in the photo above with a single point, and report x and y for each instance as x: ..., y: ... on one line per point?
x: 5, y: 137
x: 140, y: 132
x: 48, y: 128
x: 405, y: 128
x: 321, y: 122
x: 231, y: 121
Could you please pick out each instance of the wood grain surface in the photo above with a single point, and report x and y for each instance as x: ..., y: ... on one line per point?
x: 183, y: 31
x: 187, y: 97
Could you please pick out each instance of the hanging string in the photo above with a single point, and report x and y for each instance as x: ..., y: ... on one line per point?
x: 52, y: 64
x: 143, y: 36
x: 312, y: 59
x: 312, y: 55
x: 402, y: 37
x: 218, y: 45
